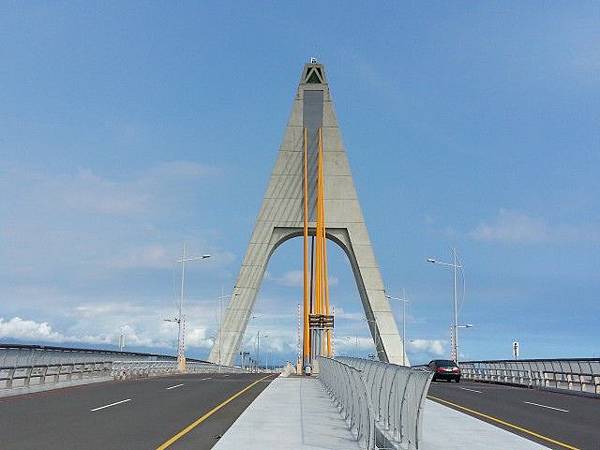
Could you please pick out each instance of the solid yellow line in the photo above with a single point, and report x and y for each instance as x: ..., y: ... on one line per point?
x: 507, y: 424
x: 198, y: 421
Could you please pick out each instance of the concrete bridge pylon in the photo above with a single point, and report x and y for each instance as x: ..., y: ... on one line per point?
x: 312, y: 123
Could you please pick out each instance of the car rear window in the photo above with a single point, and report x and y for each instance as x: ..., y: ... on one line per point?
x: 445, y: 363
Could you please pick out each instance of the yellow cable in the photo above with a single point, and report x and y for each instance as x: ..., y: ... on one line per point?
x: 306, y: 331
x: 324, y: 237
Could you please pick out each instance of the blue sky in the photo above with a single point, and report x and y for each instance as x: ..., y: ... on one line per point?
x: 129, y: 127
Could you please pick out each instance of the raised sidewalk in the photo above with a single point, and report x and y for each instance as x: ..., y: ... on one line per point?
x: 291, y: 413
x: 297, y: 413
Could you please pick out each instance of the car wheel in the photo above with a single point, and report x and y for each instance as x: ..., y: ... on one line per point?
x: 458, y: 380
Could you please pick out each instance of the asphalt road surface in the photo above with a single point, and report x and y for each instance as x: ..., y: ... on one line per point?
x: 144, y: 414
x: 556, y: 420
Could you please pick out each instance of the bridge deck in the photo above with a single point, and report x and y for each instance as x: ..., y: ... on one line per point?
x: 445, y: 428
x: 132, y: 415
x: 553, y: 419
x: 297, y: 413
x: 292, y: 413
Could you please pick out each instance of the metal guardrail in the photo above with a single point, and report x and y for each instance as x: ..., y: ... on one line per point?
x: 23, y: 366
x: 578, y: 375
x: 22, y: 376
x: 140, y: 369
x: 44, y: 374
x: 16, y: 355
x: 378, y: 398
x: 345, y: 384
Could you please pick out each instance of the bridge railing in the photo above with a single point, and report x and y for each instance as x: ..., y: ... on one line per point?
x: 140, y: 369
x: 579, y: 375
x: 347, y: 387
x: 17, y: 355
x: 386, y: 398
x: 41, y: 367
x: 41, y: 374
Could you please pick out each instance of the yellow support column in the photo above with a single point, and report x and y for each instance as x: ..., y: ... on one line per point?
x: 306, y: 357
x: 324, y: 238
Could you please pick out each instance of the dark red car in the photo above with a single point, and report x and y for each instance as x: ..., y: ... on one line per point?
x: 445, y: 369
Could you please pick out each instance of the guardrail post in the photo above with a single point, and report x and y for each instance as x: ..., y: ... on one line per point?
x: 43, y: 375
x: 360, y: 388
x: 27, y: 378
x: 11, y: 376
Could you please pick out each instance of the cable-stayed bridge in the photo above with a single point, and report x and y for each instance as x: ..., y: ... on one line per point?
x: 60, y: 398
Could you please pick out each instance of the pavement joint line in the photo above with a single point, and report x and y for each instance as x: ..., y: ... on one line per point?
x: 111, y: 404
x: 173, y: 387
x: 505, y: 423
x: 548, y: 407
x: 198, y: 421
x: 470, y: 390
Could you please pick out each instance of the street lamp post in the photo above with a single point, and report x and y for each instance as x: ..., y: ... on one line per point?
x: 404, y: 301
x: 180, y: 337
x: 243, y: 355
x: 378, y: 340
x: 455, y: 266
x: 121, y: 339
x: 258, y: 347
x: 252, y: 317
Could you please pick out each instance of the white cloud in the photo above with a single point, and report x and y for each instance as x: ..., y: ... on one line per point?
x: 196, y: 337
x: 181, y: 169
x: 340, y: 313
x: 83, y: 227
x: 349, y: 344
x: 87, y: 192
x: 91, y: 193
x: 29, y: 330
x: 145, y: 332
x: 511, y: 226
x: 432, y: 347
x: 295, y: 278
x: 164, y: 256
x: 516, y: 227
x: 421, y: 348
x: 148, y: 256
x: 292, y: 278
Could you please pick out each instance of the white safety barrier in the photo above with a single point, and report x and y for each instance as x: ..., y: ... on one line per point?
x: 380, y: 401
x: 42, y: 374
x: 44, y: 367
x: 122, y: 370
x: 348, y: 389
x: 579, y: 375
x: 17, y: 355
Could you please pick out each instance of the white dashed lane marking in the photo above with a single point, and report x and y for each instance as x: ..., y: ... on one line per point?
x: 111, y: 404
x: 548, y: 407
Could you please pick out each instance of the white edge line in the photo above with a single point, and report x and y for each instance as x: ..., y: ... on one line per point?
x: 203, y: 379
x: 549, y: 407
x: 112, y: 404
x: 467, y: 389
x: 173, y: 387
